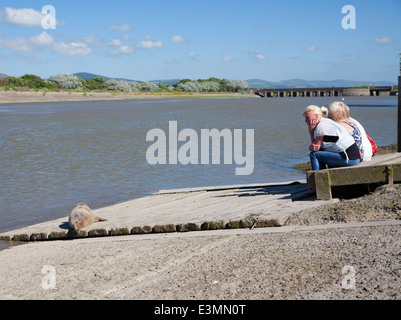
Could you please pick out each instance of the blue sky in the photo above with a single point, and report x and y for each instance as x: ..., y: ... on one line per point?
x: 159, y: 39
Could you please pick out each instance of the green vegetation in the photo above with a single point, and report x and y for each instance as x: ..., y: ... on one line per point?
x: 26, y: 82
x: 68, y: 82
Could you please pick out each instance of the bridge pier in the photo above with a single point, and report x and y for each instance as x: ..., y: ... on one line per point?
x: 322, y: 92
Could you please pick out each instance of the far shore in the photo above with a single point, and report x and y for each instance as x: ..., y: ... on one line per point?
x: 62, y: 96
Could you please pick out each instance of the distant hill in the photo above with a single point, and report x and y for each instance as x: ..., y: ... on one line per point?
x: 263, y: 84
x: 259, y: 83
x: 168, y: 82
x: 88, y: 76
x: 300, y: 83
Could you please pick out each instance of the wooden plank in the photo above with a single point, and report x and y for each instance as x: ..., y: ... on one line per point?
x: 232, y: 187
x: 176, y: 209
x: 223, y: 206
x: 382, y: 159
x: 323, y: 184
x: 324, y: 180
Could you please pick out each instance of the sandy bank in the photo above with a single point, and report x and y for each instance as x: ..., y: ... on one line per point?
x: 290, y: 262
x: 31, y: 96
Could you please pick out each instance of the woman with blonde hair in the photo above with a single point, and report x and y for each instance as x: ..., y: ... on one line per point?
x: 310, y: 114
x: 339, y: 112
x: 332, y: 145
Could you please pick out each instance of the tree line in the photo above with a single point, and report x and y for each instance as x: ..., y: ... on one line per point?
x: 65, y: 81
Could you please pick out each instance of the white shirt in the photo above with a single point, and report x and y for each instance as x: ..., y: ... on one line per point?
x: 328, y: 127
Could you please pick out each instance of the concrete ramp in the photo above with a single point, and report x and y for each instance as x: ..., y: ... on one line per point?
x: 240, y: 206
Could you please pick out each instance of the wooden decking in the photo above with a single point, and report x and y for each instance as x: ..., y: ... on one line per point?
x: 185, y: 210
x: 384, y: 168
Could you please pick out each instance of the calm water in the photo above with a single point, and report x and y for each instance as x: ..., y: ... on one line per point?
x: 55, y: 155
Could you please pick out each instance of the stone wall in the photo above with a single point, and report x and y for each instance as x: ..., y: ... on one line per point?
x: 358, y: 92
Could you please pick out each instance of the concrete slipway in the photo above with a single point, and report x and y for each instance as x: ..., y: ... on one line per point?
x: 240, y: 206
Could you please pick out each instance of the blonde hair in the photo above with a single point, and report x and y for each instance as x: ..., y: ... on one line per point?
x: 322, y: 111
x: 339, y: 111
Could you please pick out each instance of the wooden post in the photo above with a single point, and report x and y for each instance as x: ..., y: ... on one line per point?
x: 399, y: 115
x: 323, y: 185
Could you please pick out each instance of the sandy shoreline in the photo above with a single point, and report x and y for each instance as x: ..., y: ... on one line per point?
x: 31, y: 96
x: 303, y: 260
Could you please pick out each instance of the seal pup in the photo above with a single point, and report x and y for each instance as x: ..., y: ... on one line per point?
x: 80, y: 217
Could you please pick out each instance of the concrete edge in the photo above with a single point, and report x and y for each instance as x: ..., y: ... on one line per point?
x: 230, y: 187
x: 243, y: 223
x: 241, y: 231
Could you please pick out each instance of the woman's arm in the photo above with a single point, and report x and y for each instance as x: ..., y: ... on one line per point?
x: 316, y: 144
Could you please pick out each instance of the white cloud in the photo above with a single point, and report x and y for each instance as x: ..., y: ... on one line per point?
x: 260, y: 57
x: 384, y: 40
x: 311, y: 48
x: 123, y: 27
x: 91, y: 40
x: 191, y: 54
x: 229, y: 59
x: 178, y: 39
x: 257, y: 56
x: 123, y: 50
x: 78, y: 47
x: 25, y: 45
x: 25, y: 17
x: 274, y: 42
x: 150, y: 43
x: 42, y: 39
x: 115, y: 43
x: 16, y: 45
x: 72, y: 48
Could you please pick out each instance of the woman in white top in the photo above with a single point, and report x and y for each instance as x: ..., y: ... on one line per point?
x: 332, y: 145
x: 339, y: 112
